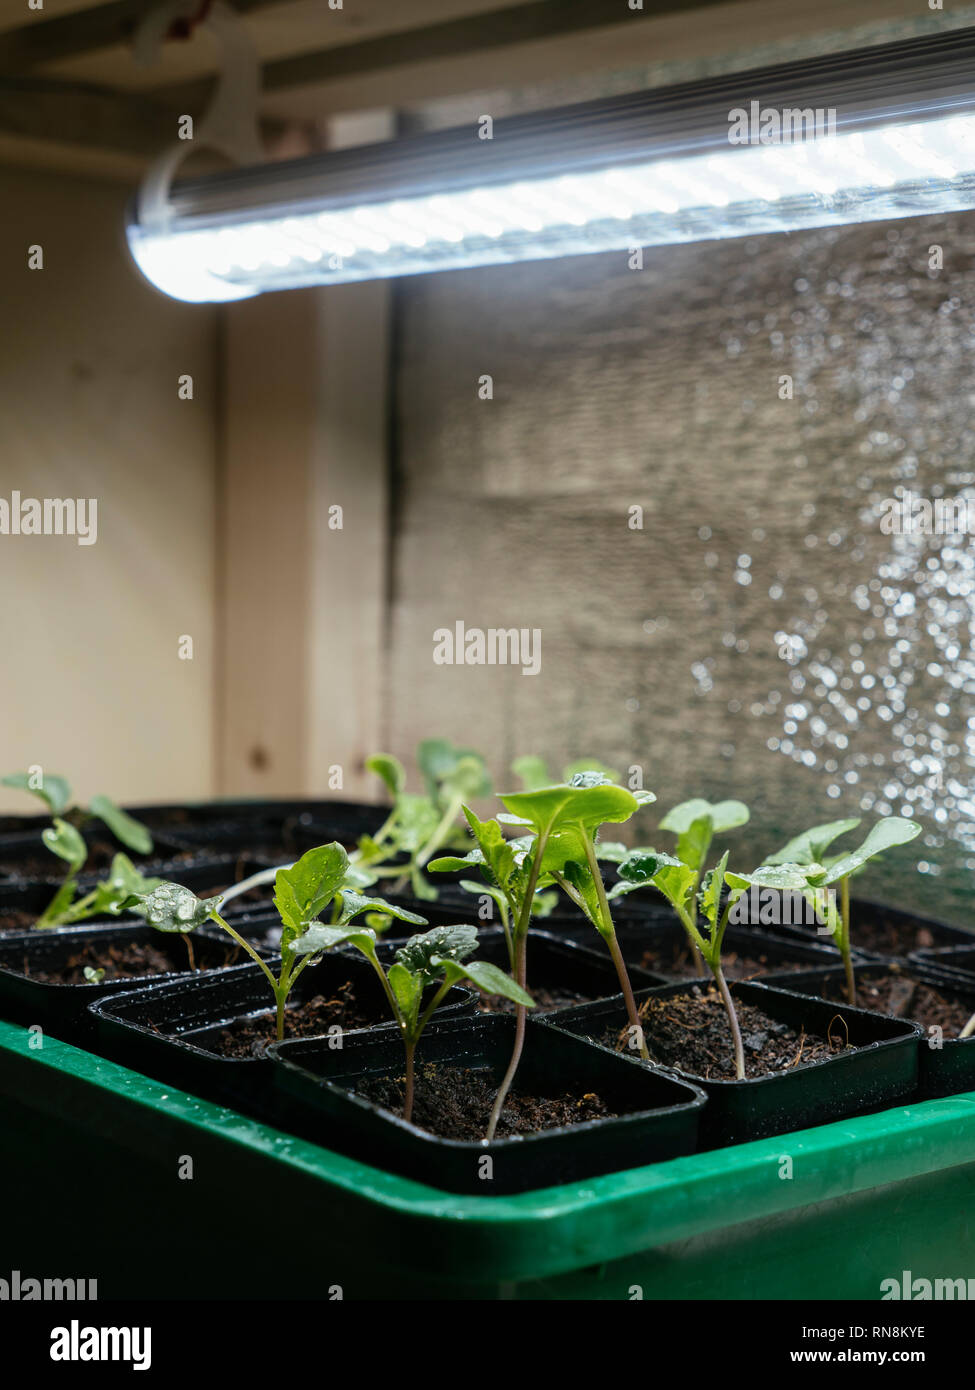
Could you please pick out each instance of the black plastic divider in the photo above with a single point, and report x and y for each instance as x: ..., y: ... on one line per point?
x: 658, y: 1114
x: 879, y: 1068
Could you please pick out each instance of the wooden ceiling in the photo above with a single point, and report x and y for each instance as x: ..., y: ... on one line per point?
x: 73, y: 97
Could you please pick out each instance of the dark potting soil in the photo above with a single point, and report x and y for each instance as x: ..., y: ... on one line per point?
x: 249, y: 1037
x: 455, y: 1103
x: 692, y: 1032
x: 545, y: 1001
x: 130, y: 960
x: 15, y: 919
x: 37, y: 866
x: 904, y: 997
x: 678, y: 961
x: 892, y: 938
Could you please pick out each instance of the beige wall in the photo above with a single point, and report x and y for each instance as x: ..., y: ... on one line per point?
x: 91, y: 684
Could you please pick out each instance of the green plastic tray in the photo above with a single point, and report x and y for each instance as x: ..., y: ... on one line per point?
x: 94, y: 1152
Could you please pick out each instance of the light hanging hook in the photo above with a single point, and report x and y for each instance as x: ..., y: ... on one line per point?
x: 230, y: 124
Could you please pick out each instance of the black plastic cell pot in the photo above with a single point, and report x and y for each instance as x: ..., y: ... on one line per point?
x: 946, y: 1065
x: 559, y: 972
x: 25, y: 859
x: 62, y: 1008
x: 658, y: 1114
x: 880, y: 1068
x: 950, y: 960
x: 169, y: 1031
x: 664, y: 948
x: 880, y: 932
x: 22, y: 904
x: 352, y: 818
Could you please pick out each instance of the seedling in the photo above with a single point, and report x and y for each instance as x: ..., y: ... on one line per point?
x: 563, y: 822
x: 317, y: 883
x: 121, y: 891
x: 804, y: 865
x: 691, y: 898
x: 437, y: 958
x: 418, y: 825
x: 64, y: 839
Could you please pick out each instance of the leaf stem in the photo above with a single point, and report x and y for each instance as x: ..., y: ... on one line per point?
x: 729, y: 1004
x: 844, y: 940
x: 608, y: 930
x: 521, y: 1011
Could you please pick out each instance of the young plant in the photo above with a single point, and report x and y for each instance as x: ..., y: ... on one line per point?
x: 420, y: 824
x: 317, y: 883
x: 64, y: 839
x: 811, y: 871
x: 437, y: 958
x: 692, y: 899
x: 563, y: 822
x: 122, y: 890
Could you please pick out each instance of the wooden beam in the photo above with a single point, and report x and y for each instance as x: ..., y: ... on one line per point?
x: 78, y: 114
x: 516, y: 24
x: 84, y: 31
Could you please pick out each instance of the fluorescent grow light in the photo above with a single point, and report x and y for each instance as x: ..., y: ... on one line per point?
x: 601, y: 177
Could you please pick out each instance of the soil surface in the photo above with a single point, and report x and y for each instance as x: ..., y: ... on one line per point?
x: 692, y: 1032
x: 129, y: 960
x: 902, y: 996
x: 15, y: 919
x: 545, y: 1001
x: 678, y: 961
x: 892, y: 938
x: 249, y: 1037
x: 455, y: 1103
x: 48, y: 868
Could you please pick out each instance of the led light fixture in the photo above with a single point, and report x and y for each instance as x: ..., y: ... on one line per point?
x: 881, y: 133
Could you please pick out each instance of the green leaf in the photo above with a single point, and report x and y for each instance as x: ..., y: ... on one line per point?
x: 322, y: 936
x: 66, y: 842
x: 307, y: 888
x: 694, y: 842
x: 532, y: 772
x: 582, y: 803
x: 489, y: 979
x: 93, y: 976
x: 725, y: 815
x: 55, y: 792
x: 441, y: 943
x: 455, y: 863
x: 810, y: 847
x: 678, y: 883
x: 123, y: 826
x: 353, y: 903
x: 407, y: 988
x: 416, y: 819
x: 886, y: 834
x: 785, y: 878
x: 390, y: 769
x: 171, y: 907
x: 124, y: 889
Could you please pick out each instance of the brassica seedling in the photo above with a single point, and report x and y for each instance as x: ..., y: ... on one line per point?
x: 803, y: 865
x: 420, y: 824
x: 690, y: 897
x: 316, y: 883
x: 563, y: 822
x: 64, y: 839
x: 438, y: 957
